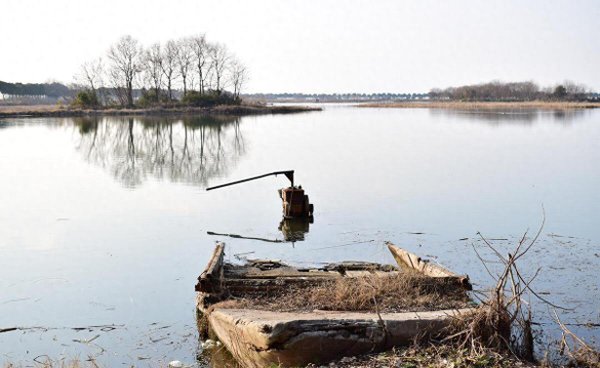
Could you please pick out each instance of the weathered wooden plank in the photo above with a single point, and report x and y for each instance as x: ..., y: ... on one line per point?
x: 410, y: 261
x: 288, y: 274
x: 265, y: 338
x: 357, y: 273
x: 358, y: 266
x: 207, y: 282
x: 216, y: 261
x: 386, y: 273
x: 267, y: 282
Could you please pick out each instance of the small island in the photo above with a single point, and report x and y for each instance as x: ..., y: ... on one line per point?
x: 187, y: 76
x: 240, y: 109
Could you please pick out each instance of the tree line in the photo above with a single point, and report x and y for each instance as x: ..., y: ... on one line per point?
x: 335, y: 97
x: 53, y: 89
x: 512, y: 91
x: 190, y: 70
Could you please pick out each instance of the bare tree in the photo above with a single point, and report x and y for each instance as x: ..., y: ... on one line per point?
x: 185, y: 57
x: 238, y: 76
x: 219, y: 59
x: 575, y: 91
x: 90, y: 74
x: 125, y: 57
x: 200, y: 50
x: 169, y: 65
x: 116, y: 81
x: 191, y: 81
x: 152, y: 65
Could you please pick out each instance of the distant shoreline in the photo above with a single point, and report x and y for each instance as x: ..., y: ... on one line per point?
x: 39, y: 111
x: 549, y: 105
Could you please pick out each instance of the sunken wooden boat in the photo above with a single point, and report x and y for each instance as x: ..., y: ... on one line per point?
x: 260, y: 333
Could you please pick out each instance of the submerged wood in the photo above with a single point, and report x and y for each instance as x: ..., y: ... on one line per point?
x: 258, y: 338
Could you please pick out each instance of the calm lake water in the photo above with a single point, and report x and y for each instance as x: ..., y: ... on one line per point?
x: 103, y: 222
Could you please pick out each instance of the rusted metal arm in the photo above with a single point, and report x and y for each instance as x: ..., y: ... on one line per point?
x: 288, y: 174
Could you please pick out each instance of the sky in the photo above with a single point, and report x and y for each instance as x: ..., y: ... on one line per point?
x: 321, y: 46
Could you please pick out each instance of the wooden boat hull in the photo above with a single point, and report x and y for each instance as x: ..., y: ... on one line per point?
x: 260, y: 338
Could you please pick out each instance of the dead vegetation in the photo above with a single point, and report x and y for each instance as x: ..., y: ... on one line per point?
x: 397, y: 293
x: 502, y: 322
x: 578, y: 352
x: 431, y: 356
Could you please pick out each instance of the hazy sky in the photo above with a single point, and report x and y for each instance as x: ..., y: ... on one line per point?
x: 322, y: 46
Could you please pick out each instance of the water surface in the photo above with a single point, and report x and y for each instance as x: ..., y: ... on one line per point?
x: 104, y: 221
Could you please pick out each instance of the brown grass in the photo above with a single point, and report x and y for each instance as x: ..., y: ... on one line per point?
x: 550, y: 105
x: 398, y: 293
x: 19, y: 109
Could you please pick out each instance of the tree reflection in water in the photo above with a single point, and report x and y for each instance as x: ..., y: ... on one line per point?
x: 504, y: 116
x: 191, y: 150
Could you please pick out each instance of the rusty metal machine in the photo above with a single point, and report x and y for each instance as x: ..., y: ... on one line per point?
x: 295, y: 201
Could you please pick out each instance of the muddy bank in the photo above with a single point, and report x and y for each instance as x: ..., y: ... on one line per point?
x: 483, y: 105
x: 58, y: 111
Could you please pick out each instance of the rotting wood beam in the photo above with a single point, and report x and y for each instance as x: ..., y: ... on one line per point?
x: 210, y: 278
x: 410, y: 261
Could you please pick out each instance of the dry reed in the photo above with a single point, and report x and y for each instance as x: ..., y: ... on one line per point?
x: 578, y: 352
x: 397, y: 293
x: 503, y: 320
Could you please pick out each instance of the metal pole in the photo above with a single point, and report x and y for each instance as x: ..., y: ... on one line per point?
x: 288, y: 173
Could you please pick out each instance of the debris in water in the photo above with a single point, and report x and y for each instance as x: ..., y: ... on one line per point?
x: 244, y: 237
x: 86, y: 341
